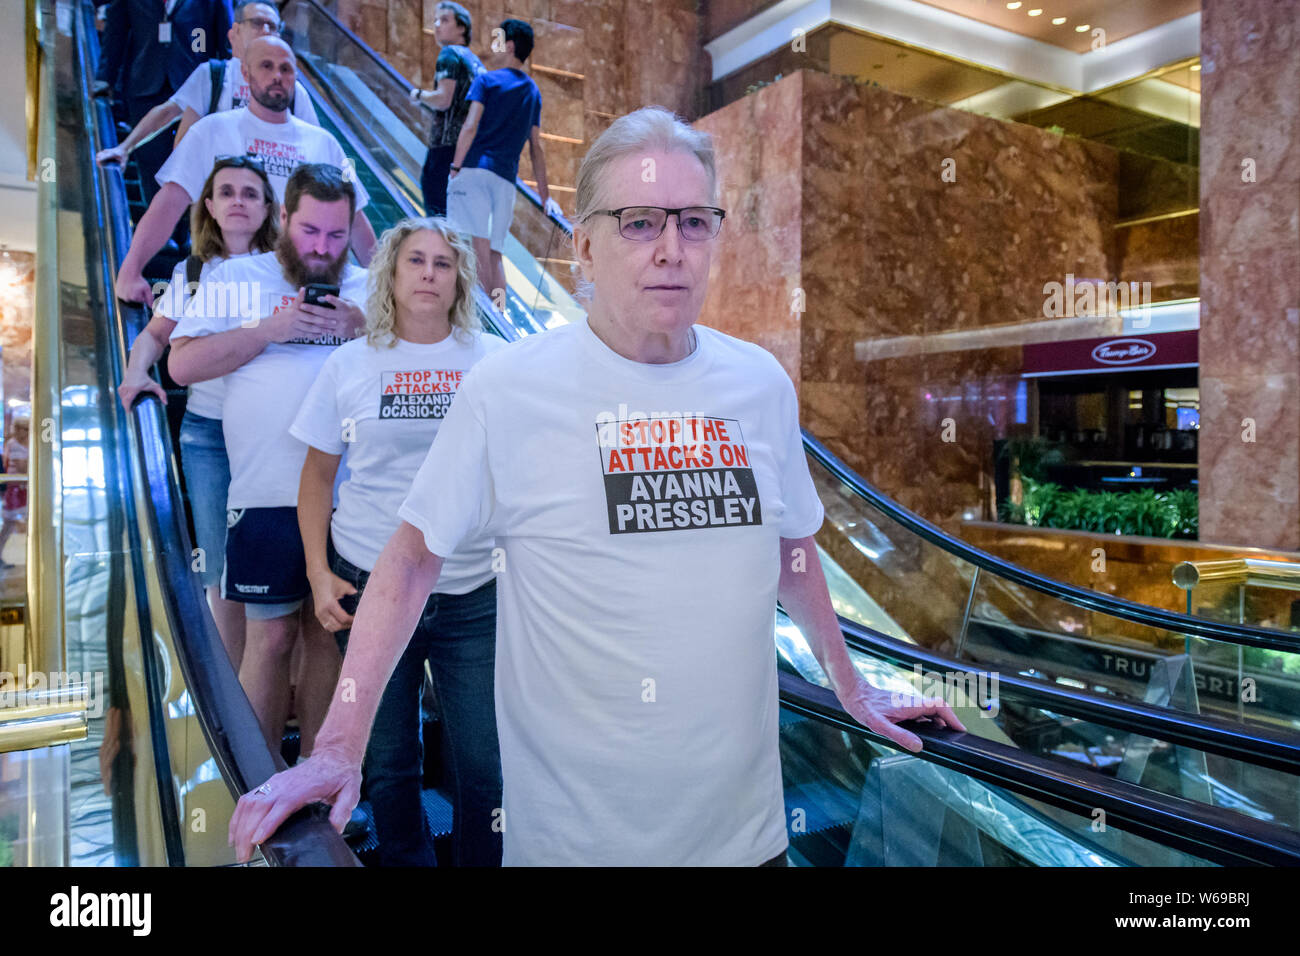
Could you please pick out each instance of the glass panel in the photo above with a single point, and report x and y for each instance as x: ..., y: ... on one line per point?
x: 114, y: 810
x: 374, y: 102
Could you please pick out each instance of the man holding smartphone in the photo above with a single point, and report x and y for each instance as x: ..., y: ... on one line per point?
x: 267, y: 323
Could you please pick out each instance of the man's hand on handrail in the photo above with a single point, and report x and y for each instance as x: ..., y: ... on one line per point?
x: 322, y: 777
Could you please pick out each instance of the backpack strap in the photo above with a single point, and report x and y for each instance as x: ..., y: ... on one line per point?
x: 217, y: 68
x: 193, y: 269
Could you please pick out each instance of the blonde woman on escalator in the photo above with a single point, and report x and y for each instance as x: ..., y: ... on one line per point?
x: 382, y: 398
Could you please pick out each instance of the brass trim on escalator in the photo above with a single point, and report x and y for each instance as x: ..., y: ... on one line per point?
x: 44, y: 638
x: 33, y: 719
x: 1251, y: 572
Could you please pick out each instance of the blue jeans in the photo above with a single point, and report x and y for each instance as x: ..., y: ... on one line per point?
x: 433, y: 179
x: 207, y: 480
x: 457, y: 636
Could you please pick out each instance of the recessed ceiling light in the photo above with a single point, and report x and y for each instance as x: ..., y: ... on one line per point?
x: 1082, y: 28
x: 1196, y: 67
x: 1038, y: 12
x: 1014, y: 5
x: 1057, y: 21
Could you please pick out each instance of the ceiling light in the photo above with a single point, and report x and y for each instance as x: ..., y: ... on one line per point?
x: 1196, y: 67
x: 1014, y: 5
x: 1037, y: 12
x: 1082, y: 28
x: 1057, y: 21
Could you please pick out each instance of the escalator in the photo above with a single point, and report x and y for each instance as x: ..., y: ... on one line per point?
x: 168, y: 739
x: 184, y: 741
x: 1131, y: 693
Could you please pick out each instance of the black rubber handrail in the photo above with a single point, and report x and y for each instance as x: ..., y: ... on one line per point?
x: 1211, y: 833
x: 1253, y: 744
x: 406, y: 86
x: 224, y: 714
x: 1155, y: 617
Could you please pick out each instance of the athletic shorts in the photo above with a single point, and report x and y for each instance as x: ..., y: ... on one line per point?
x: 266, y: 569
x: 481, y: 203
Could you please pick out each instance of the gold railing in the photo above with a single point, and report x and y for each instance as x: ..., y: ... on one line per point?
x: 1248, y: 572
x: 41, y: 718
x: 30, y: 717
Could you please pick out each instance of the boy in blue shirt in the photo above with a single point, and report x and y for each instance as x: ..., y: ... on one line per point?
x: 505, y: 108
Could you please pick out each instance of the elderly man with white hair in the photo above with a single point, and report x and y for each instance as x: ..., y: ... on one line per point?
x: 645, y: 478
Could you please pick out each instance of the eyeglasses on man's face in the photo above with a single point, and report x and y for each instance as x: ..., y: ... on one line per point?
x: 646, y: 223
x: 262, y: 24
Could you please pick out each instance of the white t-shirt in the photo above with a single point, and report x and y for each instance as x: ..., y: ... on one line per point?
x: 636, y: 689
x: 196, y: 93
x: 262, y: 395
x: 383, y: 407
x: 282, y: 147
x: 204, y: 397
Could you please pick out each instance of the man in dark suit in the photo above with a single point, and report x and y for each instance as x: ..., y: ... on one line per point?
x: 155, y: 45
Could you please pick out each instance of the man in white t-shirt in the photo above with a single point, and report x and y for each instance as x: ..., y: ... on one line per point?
x: 193, y: 100
x: 249, y: 322
x: 646, y: 480
x: 263, y: 128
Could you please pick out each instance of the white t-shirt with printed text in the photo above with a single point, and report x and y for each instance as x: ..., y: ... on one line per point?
x: 282, y: 147
x: 196, y: 93
x: 204, y: 398
x: 263, y: 395
x: 640, y: 510
x: 383, y: 407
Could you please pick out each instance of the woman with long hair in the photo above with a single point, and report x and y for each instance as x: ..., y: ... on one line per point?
x: 382, y: 398
x: 236, y: 215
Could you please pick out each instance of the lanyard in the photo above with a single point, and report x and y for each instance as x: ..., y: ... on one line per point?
x: 165, y: 24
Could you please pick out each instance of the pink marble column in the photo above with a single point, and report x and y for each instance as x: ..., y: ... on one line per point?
x: 1250, y: 273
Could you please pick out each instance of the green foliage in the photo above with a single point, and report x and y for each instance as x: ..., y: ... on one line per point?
x: 1156, y: 514
x: 7, y: 835
x: 1033, y: 455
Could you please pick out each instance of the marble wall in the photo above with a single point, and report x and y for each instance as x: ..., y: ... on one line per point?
x: 838, y: 189
x: 1250, y: 272
x: 594, y: 60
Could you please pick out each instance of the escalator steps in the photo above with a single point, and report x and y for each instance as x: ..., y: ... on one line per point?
x: 438, y: 815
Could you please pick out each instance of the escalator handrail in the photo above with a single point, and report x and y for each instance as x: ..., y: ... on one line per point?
x: 1250, y: 743
x: 406, y: 86
x: 1147, y: 615
x: 1211, y: 833
x: 227, y: 720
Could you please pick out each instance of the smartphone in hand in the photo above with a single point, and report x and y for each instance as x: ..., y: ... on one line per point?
x: 316, y: 293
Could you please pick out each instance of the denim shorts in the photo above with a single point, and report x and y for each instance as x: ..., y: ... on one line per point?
x: 207, y: 479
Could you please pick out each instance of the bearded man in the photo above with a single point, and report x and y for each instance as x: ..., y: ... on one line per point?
x: 264, y: 128
x: 250, y: 323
